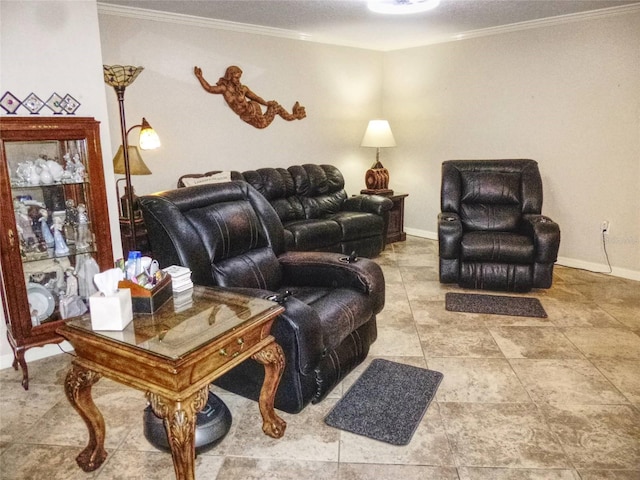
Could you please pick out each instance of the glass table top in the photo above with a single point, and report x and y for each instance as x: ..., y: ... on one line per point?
x: 186, y: 321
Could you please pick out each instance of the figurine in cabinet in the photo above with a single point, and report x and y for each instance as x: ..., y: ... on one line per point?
x: 56, y: 170
x: 83, y: 236
x: 24, y: 225
x: 45, y: 229
x: 45, y: 174
x: 70, y: 221
x: 60, y: 246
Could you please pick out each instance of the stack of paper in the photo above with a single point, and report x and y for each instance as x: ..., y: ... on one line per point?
x: 180, y: 277
x: 182, y: 300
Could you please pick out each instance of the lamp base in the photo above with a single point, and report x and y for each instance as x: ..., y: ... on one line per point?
x: 386, y: 192
x: 377, y: 178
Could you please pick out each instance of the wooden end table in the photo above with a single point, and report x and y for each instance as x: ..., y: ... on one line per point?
x: 395, y: 227
x: 173, y: 356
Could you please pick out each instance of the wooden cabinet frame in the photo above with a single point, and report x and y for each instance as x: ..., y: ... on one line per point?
x: 22, y: 334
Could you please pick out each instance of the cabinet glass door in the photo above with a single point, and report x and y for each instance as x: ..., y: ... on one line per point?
x: 51, y: 203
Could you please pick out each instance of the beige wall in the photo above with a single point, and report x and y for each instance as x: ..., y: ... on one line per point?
x: 567, y: 96
x: 340, y: 87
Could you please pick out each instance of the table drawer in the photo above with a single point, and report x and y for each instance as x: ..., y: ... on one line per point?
x: 240, y: 344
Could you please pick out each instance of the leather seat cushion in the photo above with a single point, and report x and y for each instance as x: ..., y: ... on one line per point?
x: 314, y: 234
x: 323, y: 205
x: 501, y: 247
x: 341, y: 311
x: 357, y: 225
x: 489, y: 216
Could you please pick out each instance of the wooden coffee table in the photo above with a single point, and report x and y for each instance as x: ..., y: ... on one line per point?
x: 173, y: 356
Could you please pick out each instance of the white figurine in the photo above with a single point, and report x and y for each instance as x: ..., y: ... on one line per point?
x: 72, y: 283
x: 23, y: 222
x: 44, y: 228
x: 56, y: 170
x: 61, y: 248
x: 78, y: 174
x: 82, y: 234
x: 45, y: 174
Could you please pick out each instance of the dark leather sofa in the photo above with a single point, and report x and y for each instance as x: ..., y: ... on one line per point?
x: 316, y: 212
x: 230, y: 236
x: 491, y: 232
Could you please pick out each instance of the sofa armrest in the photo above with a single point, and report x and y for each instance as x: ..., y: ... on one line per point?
x: 546, y: 236
x: 298, y: 326
x: 320, y: 269
x: 368, y: 203
x: 449, y: 235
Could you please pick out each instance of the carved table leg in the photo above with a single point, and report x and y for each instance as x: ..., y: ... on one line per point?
x: 272, y: 358
x: 77, y: 386
x: 180, y: 423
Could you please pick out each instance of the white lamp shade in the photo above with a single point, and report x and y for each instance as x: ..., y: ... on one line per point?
x: 378, y: 134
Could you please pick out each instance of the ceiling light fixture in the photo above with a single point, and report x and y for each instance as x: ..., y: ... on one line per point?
x: 401, y: 7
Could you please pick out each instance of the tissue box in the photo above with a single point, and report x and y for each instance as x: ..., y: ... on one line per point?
x: 111, y: 312
x: 145, y: 300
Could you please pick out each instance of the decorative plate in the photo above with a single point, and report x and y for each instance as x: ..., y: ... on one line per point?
x: 10, y: 103
x: 33, y: 103
x: 41, y: 302
x: 55, y: 104
x: 69, y: 104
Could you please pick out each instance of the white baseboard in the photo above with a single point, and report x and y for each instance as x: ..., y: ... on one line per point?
x: 599, y: 268
x: 564, y: 261
x: 421, y: 233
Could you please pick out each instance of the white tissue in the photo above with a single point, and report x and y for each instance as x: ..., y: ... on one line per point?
x: 107, y: 281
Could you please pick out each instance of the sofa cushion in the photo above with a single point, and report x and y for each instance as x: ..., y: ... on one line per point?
x: 314, y: 234
x: 320, y: 189
x: 499, y: 247
x: 355, y: 225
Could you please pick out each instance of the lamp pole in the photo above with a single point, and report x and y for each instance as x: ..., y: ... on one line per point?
x: 127, y: 170
x: 120, y: 77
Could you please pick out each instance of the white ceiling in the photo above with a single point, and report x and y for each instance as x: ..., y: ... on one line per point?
x: 350, y: 23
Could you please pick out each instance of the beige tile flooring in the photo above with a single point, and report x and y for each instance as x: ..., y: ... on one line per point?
x: 522, y: 398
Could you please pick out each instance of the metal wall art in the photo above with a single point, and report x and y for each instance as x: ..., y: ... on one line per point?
x: 246, y: 104
x: 56, y: 103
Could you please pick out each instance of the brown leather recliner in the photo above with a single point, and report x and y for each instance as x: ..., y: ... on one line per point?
x: 491, y: 233
x: 230, y: 236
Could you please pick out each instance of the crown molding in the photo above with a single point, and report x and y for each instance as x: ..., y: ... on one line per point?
x: 546, y: 22
x: 177, y: 18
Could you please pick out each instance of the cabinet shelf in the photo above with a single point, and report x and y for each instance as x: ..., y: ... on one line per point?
x: 54, y: 232
x: 20, y: 186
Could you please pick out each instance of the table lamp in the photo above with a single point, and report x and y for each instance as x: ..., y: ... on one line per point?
x: 378, y: 135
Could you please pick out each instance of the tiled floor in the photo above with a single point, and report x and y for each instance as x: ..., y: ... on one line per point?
x: 522, y: 398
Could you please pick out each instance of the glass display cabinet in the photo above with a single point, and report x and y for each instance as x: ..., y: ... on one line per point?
x: 54, y: 229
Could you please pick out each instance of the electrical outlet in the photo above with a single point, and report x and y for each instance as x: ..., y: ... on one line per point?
x: 605, y: 227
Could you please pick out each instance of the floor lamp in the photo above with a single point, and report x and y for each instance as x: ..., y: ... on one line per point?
x: 129, y: 161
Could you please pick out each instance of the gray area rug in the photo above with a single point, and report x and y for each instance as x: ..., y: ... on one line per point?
x: 387, y: 402
x: 494, y: 304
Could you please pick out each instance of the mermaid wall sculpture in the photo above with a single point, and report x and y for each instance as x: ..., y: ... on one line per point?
x: 245, y: 103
